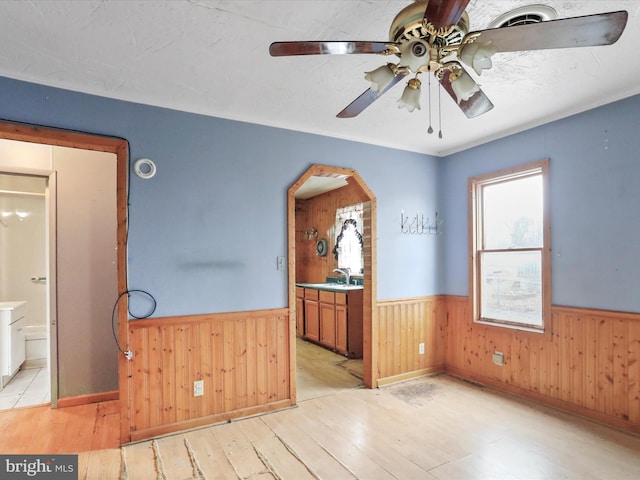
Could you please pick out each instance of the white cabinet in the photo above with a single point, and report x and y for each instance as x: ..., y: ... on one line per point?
x: 12, y: 339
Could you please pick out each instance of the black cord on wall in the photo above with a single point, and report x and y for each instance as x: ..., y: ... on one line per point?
x: 128, y: 354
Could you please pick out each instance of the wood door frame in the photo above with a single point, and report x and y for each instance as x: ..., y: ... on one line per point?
x: 120, y: 147
x: 370, y: 333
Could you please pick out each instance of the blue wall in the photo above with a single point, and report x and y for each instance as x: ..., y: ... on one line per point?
x: 595, y: 200
x: 204, y: 233
x: 206, y: 230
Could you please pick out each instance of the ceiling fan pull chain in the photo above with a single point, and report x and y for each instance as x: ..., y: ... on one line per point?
x: 430, y: 129
x: 439, y: 111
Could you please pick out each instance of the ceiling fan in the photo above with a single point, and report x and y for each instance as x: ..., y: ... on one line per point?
x: 432, y: 37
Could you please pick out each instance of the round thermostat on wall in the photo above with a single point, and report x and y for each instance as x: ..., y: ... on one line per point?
x: 144, y: 168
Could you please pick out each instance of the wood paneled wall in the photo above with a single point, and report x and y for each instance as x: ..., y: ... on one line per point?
x: 320, y: 212
x: 402, y: 325
x: 588, y: 365
x: 243, y: 359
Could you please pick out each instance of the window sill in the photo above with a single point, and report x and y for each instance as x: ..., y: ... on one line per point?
x: 510, y: 326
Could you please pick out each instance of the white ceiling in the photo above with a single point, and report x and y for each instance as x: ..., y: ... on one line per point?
x: 211, y: 57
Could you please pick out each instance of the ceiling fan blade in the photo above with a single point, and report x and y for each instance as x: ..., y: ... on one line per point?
x: 367, y: 98
x: 478, y: 104
x: 283, y: 49
x: 441, y: 13
x: 586, y: 31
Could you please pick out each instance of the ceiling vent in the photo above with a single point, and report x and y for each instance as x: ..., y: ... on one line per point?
x: 524, y: 16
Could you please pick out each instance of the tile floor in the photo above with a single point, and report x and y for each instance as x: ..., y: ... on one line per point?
x: 29, y: 387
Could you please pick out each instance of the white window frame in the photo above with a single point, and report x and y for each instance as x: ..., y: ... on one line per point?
x: 476, y: 244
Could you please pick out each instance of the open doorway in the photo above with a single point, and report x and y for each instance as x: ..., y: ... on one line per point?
x: 24, y: 367
x: 58, y: 264
x: 327, y: 188
x: 79, y: 369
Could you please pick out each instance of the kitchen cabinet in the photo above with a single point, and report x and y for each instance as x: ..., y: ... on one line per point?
x: 299, y: 311
x: 327, y: 308
x: 333, y: 319
x: 353, y: 317
x: 311, y: 315
x: 341, y: 322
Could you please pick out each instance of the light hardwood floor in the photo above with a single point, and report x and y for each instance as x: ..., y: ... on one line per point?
x: 321, y: 372
x: 41, y: 429
x: 434, y: 427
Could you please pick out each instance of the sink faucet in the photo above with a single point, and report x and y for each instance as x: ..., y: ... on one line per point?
x: 345, y: 272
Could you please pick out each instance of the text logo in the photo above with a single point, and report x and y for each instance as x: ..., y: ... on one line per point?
x: 51, y: 467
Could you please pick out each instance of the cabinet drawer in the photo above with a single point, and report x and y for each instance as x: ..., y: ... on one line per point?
x: 326, y: 297
x: 299, y: 292
x: 311, y: 294
x: 341, y: 298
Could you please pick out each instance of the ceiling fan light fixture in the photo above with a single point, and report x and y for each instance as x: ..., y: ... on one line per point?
x: 433, y: 37
x: 414, y: 55
x: 478, y: 55
x: 410, y: 98
x: 464, y: 86
x: 381, y: 77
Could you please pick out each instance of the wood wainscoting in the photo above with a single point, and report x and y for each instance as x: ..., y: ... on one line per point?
x: 588, y: 365
x: 243, y: 359
x: 402, y: 325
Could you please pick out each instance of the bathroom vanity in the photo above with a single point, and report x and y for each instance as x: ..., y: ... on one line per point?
x: 12, y: 339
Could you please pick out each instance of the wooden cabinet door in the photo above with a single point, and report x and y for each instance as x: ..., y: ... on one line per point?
x: 341, y: 329
x: 355, y: 324
x: 311, y: 320
x: 328, y: 325
x: 299, y: 316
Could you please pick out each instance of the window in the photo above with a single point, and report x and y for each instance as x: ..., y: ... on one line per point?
x: 348, y: 248
x: 510, y: 245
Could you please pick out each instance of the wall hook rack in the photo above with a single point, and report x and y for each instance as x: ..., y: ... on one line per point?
x: 311, y: 234
x: 418, y: 225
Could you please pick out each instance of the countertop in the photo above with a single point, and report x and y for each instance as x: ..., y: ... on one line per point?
x: 332, y: 287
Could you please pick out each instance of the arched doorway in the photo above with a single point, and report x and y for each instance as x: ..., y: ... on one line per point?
x: 320, y: 179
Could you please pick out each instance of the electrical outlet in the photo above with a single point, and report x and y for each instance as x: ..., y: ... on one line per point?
x: 498, y: 358
x: 198, y: 388
x: 421, y: 348
x: 281, y: 263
